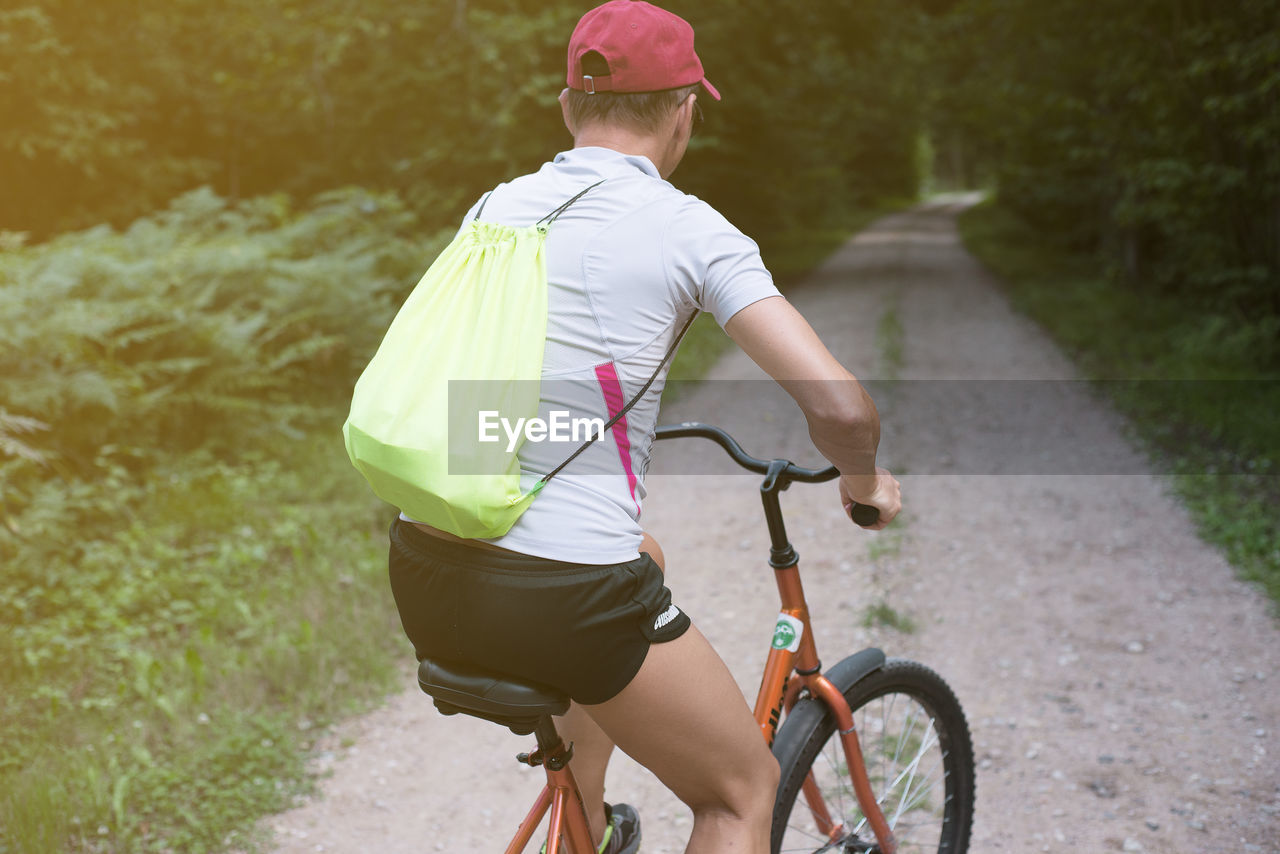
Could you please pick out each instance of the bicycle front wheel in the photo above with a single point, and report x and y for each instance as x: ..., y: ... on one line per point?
x: 919, y: 759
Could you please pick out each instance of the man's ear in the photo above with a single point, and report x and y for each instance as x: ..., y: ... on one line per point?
x: 686, y: 110
x: 564, y: 111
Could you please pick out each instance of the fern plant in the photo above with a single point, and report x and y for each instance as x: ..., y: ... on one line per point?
x: 208, y: 323
x: 12, y: 429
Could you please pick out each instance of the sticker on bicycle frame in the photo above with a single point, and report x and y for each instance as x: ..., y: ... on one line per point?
x: 786, y: 634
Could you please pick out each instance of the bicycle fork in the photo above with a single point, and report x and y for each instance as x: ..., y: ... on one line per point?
x: 793, y: 648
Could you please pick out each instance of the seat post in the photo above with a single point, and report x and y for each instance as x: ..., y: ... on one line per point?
x: 548, y: 739
x: 552, y: 752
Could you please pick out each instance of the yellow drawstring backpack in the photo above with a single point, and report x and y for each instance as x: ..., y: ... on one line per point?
x: 478, y: 315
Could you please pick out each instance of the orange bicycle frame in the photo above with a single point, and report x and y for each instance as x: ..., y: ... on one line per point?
x: 568, y: 831
x: 779, y: 692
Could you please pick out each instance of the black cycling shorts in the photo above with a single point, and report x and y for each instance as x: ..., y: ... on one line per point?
x: 581, y: 628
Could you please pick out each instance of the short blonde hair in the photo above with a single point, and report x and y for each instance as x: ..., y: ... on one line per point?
x: 641, y: 111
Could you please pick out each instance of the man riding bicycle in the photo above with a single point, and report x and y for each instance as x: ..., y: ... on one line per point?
x: 573, y: 596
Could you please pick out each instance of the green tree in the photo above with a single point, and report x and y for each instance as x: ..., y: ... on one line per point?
x: 117, y: 107
x: 1138, y: 130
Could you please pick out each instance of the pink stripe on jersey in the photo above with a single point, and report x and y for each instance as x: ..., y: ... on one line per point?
x: 612, y: 389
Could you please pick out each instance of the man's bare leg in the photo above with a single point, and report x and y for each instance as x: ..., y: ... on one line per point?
x: 592, y: 748
x: 684, y: 718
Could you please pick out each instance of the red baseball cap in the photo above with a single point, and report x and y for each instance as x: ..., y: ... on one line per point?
x: 647, y: 49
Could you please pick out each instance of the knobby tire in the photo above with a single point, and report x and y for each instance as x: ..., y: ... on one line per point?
x: 918, y: 755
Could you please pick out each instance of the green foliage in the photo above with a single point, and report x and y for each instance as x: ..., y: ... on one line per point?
x: 205, y: 325
x: 162, y: 681
x: 435, y: 101
x: 820, y: 111
x: 1200, y: 404
x: 188, y: 556
x: 69, y: 120
x: 109, y: 111
x: 12, y: 430
x: 1238, y: 513
x: 1139, y: 131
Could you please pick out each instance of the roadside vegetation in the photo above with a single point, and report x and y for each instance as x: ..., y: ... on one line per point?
x: 1199, y: 397
x: 192, y: 582
x: 1137, y: 190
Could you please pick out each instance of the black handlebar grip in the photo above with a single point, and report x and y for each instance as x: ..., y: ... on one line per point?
x: 864, y: 514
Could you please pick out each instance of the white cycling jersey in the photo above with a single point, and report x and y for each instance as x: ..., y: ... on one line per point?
x: 627, y: 265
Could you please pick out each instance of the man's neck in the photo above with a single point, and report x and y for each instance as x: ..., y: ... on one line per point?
x: 628, y: 142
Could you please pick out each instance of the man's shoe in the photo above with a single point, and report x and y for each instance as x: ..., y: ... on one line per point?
x: 621, y: 832
x: 622, y: 836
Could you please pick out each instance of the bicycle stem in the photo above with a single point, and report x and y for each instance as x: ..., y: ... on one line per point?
x: 781, y: 552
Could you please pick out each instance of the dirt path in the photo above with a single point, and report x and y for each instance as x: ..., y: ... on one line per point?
x: 1121, y: 685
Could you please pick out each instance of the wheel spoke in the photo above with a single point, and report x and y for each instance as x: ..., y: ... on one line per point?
x: 910, y: 730
x: 925, y: 744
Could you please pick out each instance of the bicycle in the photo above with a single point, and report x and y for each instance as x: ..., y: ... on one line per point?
x: 878, y: 748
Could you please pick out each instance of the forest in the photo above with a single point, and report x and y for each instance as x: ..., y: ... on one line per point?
x: 209, y: 212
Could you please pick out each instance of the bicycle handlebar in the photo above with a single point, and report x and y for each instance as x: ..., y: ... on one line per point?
x: 861, y: 514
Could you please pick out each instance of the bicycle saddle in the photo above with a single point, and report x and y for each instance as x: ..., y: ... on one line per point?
x: 460, y: 688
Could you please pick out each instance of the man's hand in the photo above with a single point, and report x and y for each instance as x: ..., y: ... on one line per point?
x: 881, y: 491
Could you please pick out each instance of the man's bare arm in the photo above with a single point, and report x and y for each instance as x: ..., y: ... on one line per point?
x: 843, y: 421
